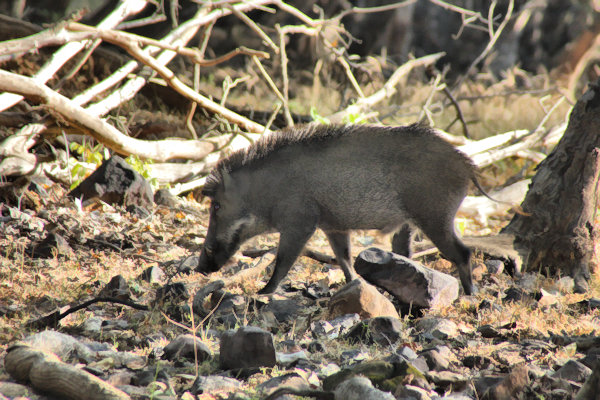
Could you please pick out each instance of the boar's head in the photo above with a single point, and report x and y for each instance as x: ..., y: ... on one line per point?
x: 231, y: 223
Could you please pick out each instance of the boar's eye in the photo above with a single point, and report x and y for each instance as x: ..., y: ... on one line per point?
x: 215, y: 205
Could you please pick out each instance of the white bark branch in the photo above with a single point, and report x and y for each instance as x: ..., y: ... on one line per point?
x: 99, y: 129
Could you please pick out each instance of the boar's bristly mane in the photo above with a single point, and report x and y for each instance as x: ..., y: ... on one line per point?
x: 303, y: 134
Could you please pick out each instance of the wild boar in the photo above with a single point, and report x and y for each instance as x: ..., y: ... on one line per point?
x: 338, y: 178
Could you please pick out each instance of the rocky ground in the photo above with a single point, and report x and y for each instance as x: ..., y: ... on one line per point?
x: 153, y: 328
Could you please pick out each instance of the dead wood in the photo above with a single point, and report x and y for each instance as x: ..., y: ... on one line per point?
x: 558, y: 234
x: 99, y: 129
x: 52, y: 319
x: 48, y: 374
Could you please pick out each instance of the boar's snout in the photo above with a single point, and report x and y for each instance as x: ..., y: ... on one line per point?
x: 207, y: 262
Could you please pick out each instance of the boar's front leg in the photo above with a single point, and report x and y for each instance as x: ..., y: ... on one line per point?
x: 401, y: 241
x: 340, y: 243
x: 291, y: 243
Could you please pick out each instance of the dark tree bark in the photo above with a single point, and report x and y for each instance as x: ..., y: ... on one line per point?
x: 559, y: 232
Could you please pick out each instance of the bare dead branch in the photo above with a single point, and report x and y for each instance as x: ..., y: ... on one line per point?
x: 493, y: 38
x: 255, y: 28
x: 125, y: 9
x: 388, y: 89
x: 98, y: 128
x: 284, y: 74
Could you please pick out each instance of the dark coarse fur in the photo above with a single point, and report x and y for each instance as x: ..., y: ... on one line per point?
x: 305, y: 134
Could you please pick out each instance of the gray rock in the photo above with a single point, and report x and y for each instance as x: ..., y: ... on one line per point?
x: 92, y: 326
x: 476, y: 361
x: 384, y: 331
x: 494, y: 267
x: 153, y: 274
x: 53, y: 244
x: 284, y: 310
x: 213, y: 383
x: 323, y: 329
x: 573, y: 371
x: 183, y: 348
x: 591, y: 358
x: 407, y: 280
x: 164, y: 197
x: 287, y: 359
x: 117, y: 288
x: 363, y: 299
x: 360, y: 388
x: 503, y: 387
x: 247, y: 347
x: 409, y: 392
x: 61, y: 344
x: 438, y: 328
x: 407, y: 353
x: 147, y: 376
x: 292, y: 380
x: 116, y: 182
x: 334, y: 328
x: 202, y: 293
x: 438, y: 359
x: 444, y: 379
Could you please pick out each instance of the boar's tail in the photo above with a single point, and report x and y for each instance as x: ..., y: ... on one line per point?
x: 516, y: 208
x: 483, y: 192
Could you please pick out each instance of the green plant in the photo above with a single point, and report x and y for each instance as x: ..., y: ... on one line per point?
x: 91, y: 158
x: 143, y: 168
x: 318, y: 118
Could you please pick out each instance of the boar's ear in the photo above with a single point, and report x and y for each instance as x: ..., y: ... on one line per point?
x: 226, y: 181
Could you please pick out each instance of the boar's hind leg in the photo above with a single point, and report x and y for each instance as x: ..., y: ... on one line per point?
x: 340, y: 243
x: 444, y: 238
x: 401, y: 241
x: 291, y: 244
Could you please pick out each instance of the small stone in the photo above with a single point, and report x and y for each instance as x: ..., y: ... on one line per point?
x: 183, y: 347
x: 409, y: 392
x: 381, y: 330
x: 354, y: 356
x: 407, y: 353
x: 445, y: 379
x: 363, y: 299
x: 247, y: 347
x: 291, y: 380
x: 437, y: 360
x: 360, y: 387
x: 494, y: 267
x: 438, y: 328
x: 153, y: 274
x: 477, y: 362
x: 287, y: 359
x: 116, y: 288
x: 323, y: 329
x: 173, y: 292
x: 213, y: 383
x: 316, y: 347
x: 514, y: 294
x: 164, y: 197
x: 187, y: 264
x: 573, y: 371
x: 202, y: 293
x: 508, y: 387
x: 52, y: 245
x: 566, y: 284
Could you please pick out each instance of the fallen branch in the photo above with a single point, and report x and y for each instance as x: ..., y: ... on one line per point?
x: 64, y: 54
x: 52, y: 319
x: 366, y: 103
x: 99, y: 129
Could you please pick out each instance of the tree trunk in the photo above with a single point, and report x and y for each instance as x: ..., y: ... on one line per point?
x: 558, y: 233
